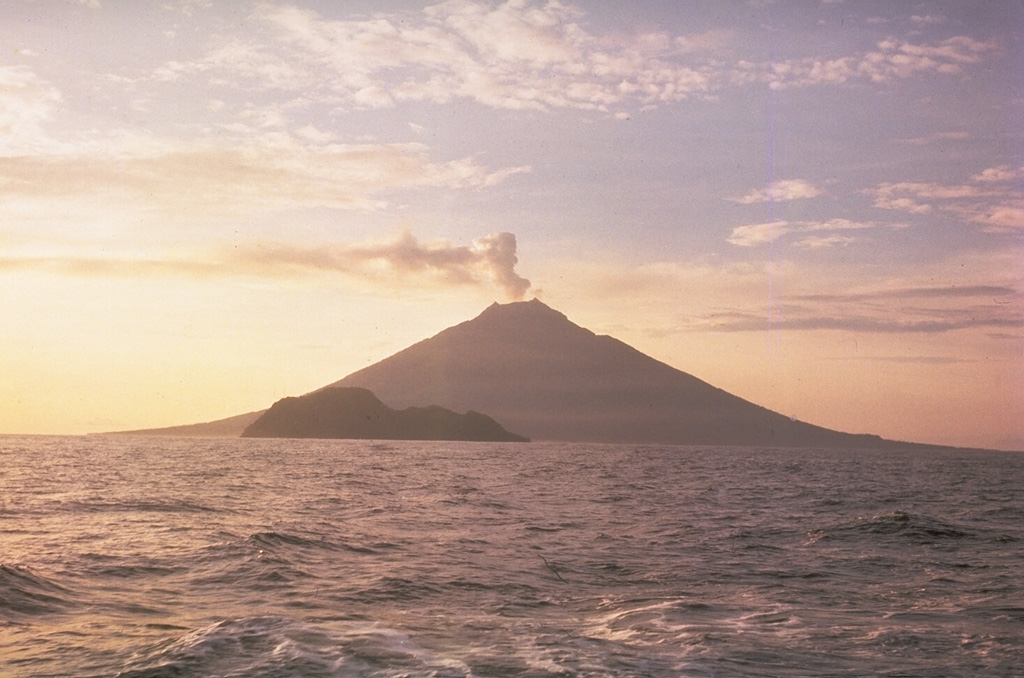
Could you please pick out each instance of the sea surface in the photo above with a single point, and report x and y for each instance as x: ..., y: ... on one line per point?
x: 156, y: 557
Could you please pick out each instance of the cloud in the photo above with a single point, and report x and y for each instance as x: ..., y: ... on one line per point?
x: 786, y: 321
x: 761, y: 234
x: 785, y: 189
x: 404, y: 260
x: 514, y: 32
x: 187, y: 7
x: 516, y: 55
x: 911, y: 310
x: 885, y: 201
x: 704, y: 42
x: 219, y: 177
x: 937, y: 137
x: 912, y: 359
x: 948, y: 292
x: 931, y: 191
x: 817, y: 242
x: 892, y: 60
x: 520, y: 55
x: 109, y: 266
x: 990, y: 200
x: 999, y: 174
x: 26, y: 103
x: 1000, y: 218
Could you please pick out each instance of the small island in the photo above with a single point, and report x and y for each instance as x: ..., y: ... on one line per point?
x: 356, y: 413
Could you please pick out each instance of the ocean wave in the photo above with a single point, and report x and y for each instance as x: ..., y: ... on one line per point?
x: 915, y: 528
x: 273, y: 540
x: 247, y: 565
x: 282, y: 547
x: 280, y: 647
x: 648, y: 622
x: 136, y: 506
x: 106, y: 564
x: 25, y: 593
x: 133, y: 570
x: 395, y: 589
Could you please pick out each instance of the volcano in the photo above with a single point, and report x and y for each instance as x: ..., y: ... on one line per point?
x: 537, y: 373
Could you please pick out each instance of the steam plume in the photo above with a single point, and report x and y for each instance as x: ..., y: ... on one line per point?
x: 492, y: 256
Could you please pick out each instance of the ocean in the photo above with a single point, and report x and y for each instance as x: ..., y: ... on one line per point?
x: 172, y: 558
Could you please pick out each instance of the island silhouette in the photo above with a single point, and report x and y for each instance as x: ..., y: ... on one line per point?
x: 541, y: 375
x: 356, y: 413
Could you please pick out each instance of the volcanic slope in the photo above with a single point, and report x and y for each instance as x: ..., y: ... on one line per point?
x: 541, y: 375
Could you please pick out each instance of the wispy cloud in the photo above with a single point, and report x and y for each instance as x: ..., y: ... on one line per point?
x: 779, y: 191
x: 936, y: 138
x: 403, y: 260
x: 187, y: 7
x: 913, y: 310
x: 792, y: 319
x: 1005, y: 218
x: 817, y: 242
x: 891, y: 60
x: 761, y: 234
x: 912, y: 359
x: 26, y: 103
x: 995, y: 292
x: 999, y: 174
x: 990, y: 199
x: 927, y: 19
x: 523, y: 55
x: 218, y: 177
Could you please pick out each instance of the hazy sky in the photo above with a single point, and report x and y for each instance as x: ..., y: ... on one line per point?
x: 818, y: 206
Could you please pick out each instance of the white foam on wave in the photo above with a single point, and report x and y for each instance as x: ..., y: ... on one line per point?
x: 273, y: 645
x: 646, y: 623
x: 687, y: 623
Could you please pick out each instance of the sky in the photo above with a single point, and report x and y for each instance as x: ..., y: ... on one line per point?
x: 815, y: 205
